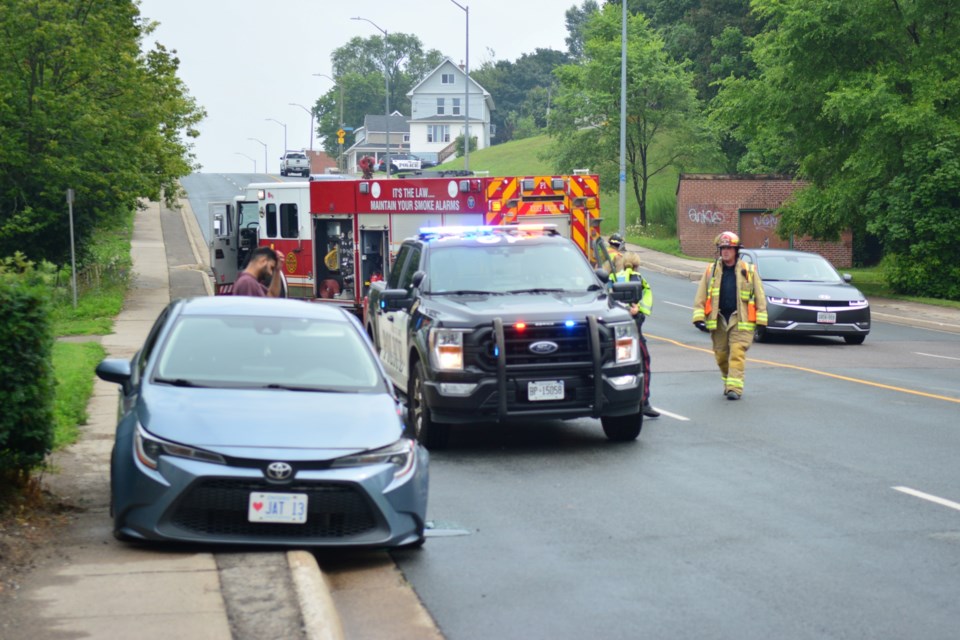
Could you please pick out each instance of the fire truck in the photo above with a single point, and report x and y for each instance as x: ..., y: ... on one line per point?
x: 336, y: 234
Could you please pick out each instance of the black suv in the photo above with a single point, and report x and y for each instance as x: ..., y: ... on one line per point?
x: 479, y: 324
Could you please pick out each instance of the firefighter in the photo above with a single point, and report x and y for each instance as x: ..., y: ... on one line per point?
x: 614, y: 248
x: 729, y: 304
x: 626, y: 266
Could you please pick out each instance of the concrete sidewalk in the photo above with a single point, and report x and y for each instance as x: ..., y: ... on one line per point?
x: 97, y: 587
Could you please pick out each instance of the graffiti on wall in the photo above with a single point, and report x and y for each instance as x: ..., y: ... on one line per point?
x: 766, y: 221
x: 703, y: 214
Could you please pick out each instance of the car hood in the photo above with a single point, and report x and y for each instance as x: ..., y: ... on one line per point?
x: 270, y: 423
x: 812, y: 290
x: 529, y: 307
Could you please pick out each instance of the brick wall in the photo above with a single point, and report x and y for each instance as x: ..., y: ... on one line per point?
x: 710, y: 203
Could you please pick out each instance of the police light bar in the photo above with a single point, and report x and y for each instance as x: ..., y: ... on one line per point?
x: 529, y: 229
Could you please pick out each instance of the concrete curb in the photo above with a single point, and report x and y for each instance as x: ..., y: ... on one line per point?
x: 197, y: 242
x: 320, y: 618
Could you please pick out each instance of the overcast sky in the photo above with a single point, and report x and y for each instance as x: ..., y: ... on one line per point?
x: 246, y: 60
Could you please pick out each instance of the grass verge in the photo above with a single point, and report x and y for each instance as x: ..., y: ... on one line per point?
x: 73, y: 365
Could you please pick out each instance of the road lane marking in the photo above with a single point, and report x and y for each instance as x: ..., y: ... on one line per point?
x: 675, y: 416
x: 933, y: 355
x: 926, y: 496
x: 675, y: 304
x: 835, y: 376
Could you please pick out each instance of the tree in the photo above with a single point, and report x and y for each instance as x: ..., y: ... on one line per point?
x: 359, y: 67
x: 664, y: 125
x: 522, y: 90
x: 861, y: 99
x: 82, y: 107
x: 576, y: 18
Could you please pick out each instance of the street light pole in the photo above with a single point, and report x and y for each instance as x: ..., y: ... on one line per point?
x: 339, y: 144
x: 466, y: 92
x: 386, y: 79
x: 266, y: 166
x: 284, y: 132
x: 623, y: 123
x: 310, y: 111
x: 248, y: 158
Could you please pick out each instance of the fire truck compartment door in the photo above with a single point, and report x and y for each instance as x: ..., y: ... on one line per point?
x: 562, y: 221
x: 224, y: 241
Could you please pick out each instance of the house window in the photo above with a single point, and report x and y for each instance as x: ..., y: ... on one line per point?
x: 406, y: 138
x: 446, y: 78
x: 438, y: 133
x: 440, y: 106
x: 456, y: 107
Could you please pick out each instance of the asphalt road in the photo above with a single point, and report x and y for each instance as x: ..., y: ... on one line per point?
x: 821, y: 505
x: 774, y: 516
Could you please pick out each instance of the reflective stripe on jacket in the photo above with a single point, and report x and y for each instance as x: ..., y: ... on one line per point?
x: 645, y: 303
x: 751, y: 301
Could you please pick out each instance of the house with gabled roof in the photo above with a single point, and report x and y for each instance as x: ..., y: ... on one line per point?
x: 371, y: 139
x: 437, y: 112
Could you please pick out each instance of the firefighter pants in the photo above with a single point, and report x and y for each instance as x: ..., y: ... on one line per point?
x: 730, y: 348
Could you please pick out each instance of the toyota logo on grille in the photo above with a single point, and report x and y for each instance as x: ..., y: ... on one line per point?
x: 544, y: 348
x: 279, y: 471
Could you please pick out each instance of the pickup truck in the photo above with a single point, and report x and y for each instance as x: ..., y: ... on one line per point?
x: 295, y: 162
x: 499, y: 324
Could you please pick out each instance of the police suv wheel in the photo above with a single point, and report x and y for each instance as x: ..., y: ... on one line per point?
x: 422, y: 427
x: 622, y: 428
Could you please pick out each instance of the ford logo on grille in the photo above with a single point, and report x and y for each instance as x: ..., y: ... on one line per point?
x: 279, y: 470
x: 544, y: 348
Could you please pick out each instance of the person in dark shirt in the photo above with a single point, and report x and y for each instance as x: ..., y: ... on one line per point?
x: 261, y: 277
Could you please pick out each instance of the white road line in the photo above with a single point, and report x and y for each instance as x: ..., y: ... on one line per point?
x: 932, y: 355
x: 682, y: 306
x: 926, y: 496
x: 675, y: 416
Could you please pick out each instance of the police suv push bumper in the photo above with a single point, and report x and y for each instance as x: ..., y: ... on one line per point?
x: 593, y: 387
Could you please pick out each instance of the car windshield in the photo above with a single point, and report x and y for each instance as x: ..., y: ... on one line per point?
x: 509, y: 266
x: 267, y: 352
x: 797, y: 268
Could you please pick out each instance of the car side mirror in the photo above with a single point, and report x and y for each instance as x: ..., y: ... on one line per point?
x: 418, y: 278
x: 393, y: 299
x: 847, y: 277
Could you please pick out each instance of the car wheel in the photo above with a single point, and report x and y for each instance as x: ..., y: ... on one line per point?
x: 429, y: 433
x: 393, y: 168
x: 858, y: 339
x: 760, y: 334
x: 622, y: 428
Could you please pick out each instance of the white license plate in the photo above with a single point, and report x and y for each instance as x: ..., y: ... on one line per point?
x: 824, y: 317
x: 290, y: 508
x: 545, y: 390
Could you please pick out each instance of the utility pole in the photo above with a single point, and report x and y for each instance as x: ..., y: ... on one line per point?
x: 623, y: 122
x: 466, y: 92
x: 386, y: 79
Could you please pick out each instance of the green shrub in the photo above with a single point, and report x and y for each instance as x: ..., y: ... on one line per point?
x: 27, y: 382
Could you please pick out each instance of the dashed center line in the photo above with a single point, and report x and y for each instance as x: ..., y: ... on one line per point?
x: 928, y: 497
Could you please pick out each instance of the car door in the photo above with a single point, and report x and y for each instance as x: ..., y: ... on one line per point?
x: 393, y: 324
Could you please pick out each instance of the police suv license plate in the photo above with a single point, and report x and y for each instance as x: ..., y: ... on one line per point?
x: 825, y: 317
x: 545, y: 390
x: 289, y: 508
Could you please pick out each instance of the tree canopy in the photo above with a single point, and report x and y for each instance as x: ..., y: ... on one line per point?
x: 358, y: 70
x: 863, y: 100
x: 82, y: 107
x: 662, y: 107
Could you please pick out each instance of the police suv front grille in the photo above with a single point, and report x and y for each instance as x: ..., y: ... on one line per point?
x: 573, y: 347
x: 219, y: 507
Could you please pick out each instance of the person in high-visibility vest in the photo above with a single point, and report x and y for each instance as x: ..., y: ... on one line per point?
x: 729, y: 304
x: 627, y: 266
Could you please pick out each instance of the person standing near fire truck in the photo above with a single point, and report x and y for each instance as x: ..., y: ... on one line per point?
x: 261, y: 268
x: 729, y: 304
x: 627, y: 266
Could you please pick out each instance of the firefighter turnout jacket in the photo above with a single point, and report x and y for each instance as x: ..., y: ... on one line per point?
x: 751, y: 301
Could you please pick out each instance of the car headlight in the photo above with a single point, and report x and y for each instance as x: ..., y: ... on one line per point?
x: 149, y: 449
x: 627, y: 343
x: 858, y: 303
x: 400, y: 454
x: 446, y: 349
x: 779, y: 300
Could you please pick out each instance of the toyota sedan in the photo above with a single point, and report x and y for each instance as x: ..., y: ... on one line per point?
x: 806, y: 296
x: 262, y: 421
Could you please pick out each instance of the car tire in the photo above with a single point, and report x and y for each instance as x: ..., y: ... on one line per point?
x: 422, y: 427
x: 760, y: 334
x: 282, y: 173
x: 393, y: 168
x: 857, y: 339
x: 622, y: 428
